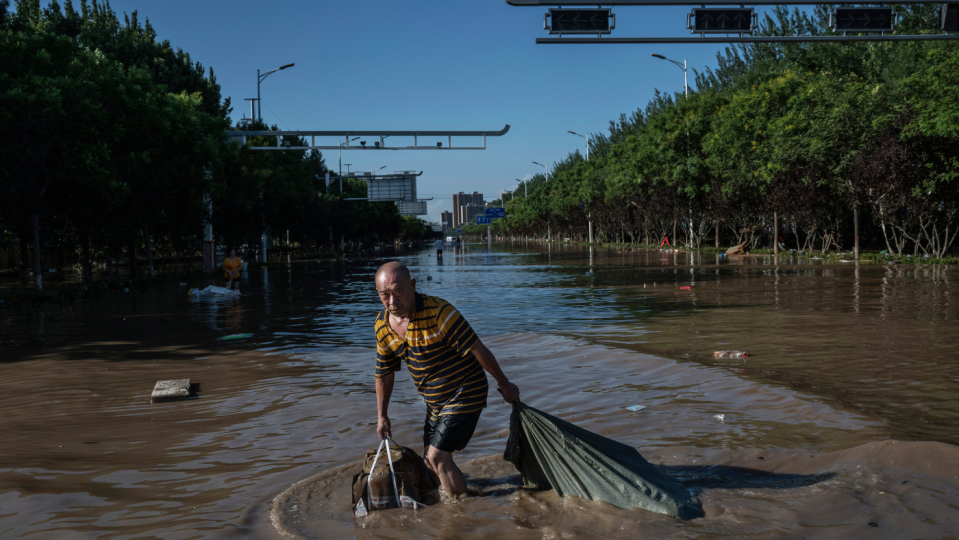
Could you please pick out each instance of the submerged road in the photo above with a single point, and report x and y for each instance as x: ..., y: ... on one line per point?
x: 795, y: 439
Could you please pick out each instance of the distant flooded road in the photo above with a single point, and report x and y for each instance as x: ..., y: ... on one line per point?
x: 842, y: 421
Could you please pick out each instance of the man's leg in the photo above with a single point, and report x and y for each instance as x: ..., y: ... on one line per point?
x: 451, y: 477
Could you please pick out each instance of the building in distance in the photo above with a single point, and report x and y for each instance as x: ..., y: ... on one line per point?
x: 461, y: 200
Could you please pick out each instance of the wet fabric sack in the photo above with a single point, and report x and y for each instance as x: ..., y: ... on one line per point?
x: 550, y: 453
x: 393, y: 476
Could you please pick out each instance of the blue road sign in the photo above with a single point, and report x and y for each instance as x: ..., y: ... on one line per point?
x: 496, y: 212
x: 483, y: 220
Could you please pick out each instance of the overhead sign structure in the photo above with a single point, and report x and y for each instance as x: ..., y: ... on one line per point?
x: 411, y: 208
x: 544, y: 3
x: 483, y: 220
x: 395, y: 187
x: 863, y: 19
x: 496, y: 213
x: 852, y: 24
x: 285, y: 139
x: 579, y: 21
x: 722, y: 21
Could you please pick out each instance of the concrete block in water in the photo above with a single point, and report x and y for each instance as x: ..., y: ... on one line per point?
x: 175, y: 390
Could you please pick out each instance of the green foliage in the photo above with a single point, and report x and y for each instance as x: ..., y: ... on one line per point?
x: 807, y: 132
x: 112, y: 140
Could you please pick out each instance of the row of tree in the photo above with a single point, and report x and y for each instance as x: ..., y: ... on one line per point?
x: 114, y: 145
x: 821, y: 136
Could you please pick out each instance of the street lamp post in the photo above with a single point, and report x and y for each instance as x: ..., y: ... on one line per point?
x: 681, y: 66
x: 549, y: 232
x: 264, y: 240
x: 525, y: 190
x: 374, y: 170
x: 259, y: 79
x: 686, y: 94
x: 589, y: 215
x: 587, y: 141
x: 340, y: 156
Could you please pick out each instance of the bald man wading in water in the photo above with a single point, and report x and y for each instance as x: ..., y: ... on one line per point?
x: 445, y: 359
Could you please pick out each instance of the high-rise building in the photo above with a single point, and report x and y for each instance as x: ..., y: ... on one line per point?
x: 446, y: 219
x: 469, y: 212
x: 465, y: 199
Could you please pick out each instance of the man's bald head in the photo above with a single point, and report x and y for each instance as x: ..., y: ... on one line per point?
x: 391, y: 269
x: 397, y: 289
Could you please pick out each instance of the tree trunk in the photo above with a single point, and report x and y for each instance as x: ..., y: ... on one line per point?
x: 149, y: 246
x: 775, y: 234
x: 86, y: 263
x: 37, y: 276
x: 24, y: 258
x: 717, y: 233
x: 674, y: 233
x: 133, y: 259
x: 855, y: 231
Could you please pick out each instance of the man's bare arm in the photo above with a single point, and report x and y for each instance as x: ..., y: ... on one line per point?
x: 489, y: 363
x: 384, y: 389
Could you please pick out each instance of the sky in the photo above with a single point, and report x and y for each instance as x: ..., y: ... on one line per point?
x: 430, y: 65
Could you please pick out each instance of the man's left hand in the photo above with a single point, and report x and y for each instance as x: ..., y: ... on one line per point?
x: 510, y: 392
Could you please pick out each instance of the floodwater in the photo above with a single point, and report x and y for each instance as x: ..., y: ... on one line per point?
x: 841, y: 423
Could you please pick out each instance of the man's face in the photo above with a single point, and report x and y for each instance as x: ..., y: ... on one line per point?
x: 397, y: 293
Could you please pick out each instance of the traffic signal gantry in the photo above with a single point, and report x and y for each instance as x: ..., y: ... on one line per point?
x: 872, y: 23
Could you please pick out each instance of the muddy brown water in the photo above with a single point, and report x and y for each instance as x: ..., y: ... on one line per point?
x: 842, y: 422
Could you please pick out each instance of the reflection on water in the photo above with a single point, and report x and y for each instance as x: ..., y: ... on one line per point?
x: 841, y: 356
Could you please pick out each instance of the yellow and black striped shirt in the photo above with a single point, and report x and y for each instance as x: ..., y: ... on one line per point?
x: 437, y: 354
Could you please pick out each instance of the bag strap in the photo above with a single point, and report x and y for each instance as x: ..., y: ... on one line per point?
x: 392, y: 474
x: 369, y: 479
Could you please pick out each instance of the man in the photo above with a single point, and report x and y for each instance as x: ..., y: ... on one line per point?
x: 231, y: 271
x: 446, y: 360
x: 439, y: 248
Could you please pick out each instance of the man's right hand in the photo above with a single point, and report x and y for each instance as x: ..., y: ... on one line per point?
x: 383, y: 428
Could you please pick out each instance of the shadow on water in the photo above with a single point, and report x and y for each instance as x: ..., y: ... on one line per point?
x: 696, y: 478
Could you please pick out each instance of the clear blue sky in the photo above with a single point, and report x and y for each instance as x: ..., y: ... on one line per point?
x: 428, y: 64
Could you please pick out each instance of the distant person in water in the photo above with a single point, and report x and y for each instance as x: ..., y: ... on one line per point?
x: 231, y: 271
x: 446, y: 360
x: 439, y: 248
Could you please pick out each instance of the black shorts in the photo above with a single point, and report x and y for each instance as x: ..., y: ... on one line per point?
x: 439, y: 252
x: 449, y: 432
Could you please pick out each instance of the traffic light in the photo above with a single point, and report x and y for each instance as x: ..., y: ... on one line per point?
x: 580, y: 21
x: 721, y: 20
x: 863, y: 19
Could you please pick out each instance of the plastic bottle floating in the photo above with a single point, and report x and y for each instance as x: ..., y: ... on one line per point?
x: 730, y: 354
x: 235, y: 336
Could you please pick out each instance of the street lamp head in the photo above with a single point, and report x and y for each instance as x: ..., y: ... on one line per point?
x: 286, y: 66
x: 661, y: 57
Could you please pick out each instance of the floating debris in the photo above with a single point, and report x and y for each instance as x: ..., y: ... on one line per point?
x: 635, y: 408
x: 231, y: 337
x: 730, y: 354
x: 175, y: 390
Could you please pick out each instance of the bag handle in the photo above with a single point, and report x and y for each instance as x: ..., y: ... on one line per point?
x: 369, y: 478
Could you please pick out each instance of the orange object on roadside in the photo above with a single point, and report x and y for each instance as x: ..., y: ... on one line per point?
x: 684, y: 287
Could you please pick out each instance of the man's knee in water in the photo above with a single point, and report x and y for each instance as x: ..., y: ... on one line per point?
x: 437, y: 459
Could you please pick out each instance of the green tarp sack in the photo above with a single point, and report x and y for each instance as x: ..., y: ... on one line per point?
x: 550, y: 453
